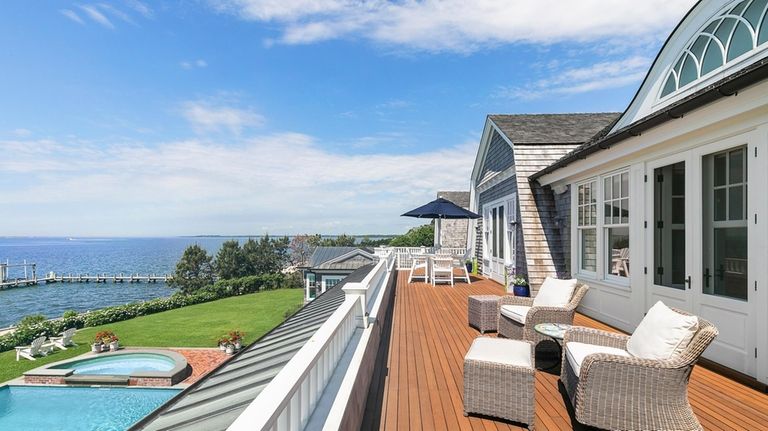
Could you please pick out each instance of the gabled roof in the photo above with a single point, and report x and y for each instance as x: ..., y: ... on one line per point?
x: 459, y: 198
x: 325, y: 254
x: 341, y: 258
x: 216, y: 400
x: 553, y: 128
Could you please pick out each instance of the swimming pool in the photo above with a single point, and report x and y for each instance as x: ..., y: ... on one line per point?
x: 129, y: 367
x: 77, y: 408
x: 124, y: 364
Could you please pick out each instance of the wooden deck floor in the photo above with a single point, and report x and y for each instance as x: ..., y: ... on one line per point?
x: 419, y: 384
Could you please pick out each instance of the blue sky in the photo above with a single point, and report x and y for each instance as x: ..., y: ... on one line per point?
x: 249, y: 116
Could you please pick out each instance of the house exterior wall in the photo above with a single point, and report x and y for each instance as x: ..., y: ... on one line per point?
x: 724, y: 124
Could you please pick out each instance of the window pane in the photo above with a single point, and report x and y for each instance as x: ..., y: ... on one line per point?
x: 500, y: 233
x: 736, y: 203
x: 493, y: 233
x: 720, y: 160
x: 616, y: 211
x: 735, y: 166
x: 741, y: 42
x: 593, y: 212
x: 625, y: 185
x: 581, y: 195
x: 607, y: 188
x: 688, y: 73
x: 720, y: 204
x: 754, y: 12
x: 618, y: 251
x: 669, y: 227
x: 729, y: 267
x: 607, y: 213
x: 589, y: 249
x: 724, y: 31
x: 625, y: 211
x: 713, y: 58
x: 616, y: 186
x: 669, y: 86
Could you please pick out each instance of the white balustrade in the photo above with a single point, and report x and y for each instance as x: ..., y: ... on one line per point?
x: 289, y: 400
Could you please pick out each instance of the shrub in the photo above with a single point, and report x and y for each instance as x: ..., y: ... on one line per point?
x: 32, y: 327
x: 69, y: 314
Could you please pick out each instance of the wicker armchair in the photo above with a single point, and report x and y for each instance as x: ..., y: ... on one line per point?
x: 629, y: 393
x: 512, y: 329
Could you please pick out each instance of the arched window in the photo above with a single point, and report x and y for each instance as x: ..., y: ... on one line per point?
x: 736, y: 31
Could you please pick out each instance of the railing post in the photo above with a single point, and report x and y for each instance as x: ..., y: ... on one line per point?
x: 358, y: 291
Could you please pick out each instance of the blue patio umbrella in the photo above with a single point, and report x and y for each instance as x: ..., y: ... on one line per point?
x: 439, y: 209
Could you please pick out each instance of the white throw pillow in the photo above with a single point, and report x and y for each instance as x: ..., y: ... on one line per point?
x: 662, y: 333
x: 554, y: 293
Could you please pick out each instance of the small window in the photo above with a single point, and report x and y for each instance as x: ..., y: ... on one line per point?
x: 587, y: 226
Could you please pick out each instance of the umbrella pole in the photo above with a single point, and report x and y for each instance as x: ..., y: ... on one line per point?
x: 437, y: 242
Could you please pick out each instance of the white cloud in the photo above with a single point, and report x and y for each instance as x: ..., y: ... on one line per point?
x: 117, y: 13
x: 196, y: 64
x: 141, y: 8
x: 207, y: 117
x: 72, y: 15
x: 568, y: 81
x: 22, y: 133
x: 98, y: 17
x: 283, y: 183
x: 460, y: 25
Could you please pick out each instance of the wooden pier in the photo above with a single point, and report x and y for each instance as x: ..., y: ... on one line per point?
x: 52, y: 277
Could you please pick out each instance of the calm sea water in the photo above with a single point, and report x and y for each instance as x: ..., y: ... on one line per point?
x: 89, y: 255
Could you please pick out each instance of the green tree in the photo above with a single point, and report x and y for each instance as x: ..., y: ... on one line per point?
x: 342, y: 240
x: 230, y: 261
x: 193, y: 271
x: 265, y: 256
x: 420, y: 236
x: 300, y: 250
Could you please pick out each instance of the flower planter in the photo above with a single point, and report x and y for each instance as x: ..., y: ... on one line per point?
x: 238, y: 345
x: 113, y: 346
x: 521, y: 290
x: 222, y: 347
x: 96, y: 348
x: 230, y: 349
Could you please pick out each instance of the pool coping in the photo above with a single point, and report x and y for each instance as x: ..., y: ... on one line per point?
x: 47, y: 375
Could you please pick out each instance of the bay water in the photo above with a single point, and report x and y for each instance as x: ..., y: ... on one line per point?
x: 89, y: 255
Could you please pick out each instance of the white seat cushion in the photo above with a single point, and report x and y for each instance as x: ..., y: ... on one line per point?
x: 554, y: 293
x: 515, y: 312
x: 662, y: 333
x: 576, y: 352
x: 500, y: 351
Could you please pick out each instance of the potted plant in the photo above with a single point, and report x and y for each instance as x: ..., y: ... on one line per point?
x: 114, y: 343
x: 520, y: 285
x: 469, y: 265
x: 230, y: 349
x: 103, y: 340
x: 223, y: 341
x: 96, y: 346
x: 236, y: 338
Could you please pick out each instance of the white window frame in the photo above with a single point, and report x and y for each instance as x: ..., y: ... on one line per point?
x: 601, y: 272
x: 580, y: 228
x: 601, y: 221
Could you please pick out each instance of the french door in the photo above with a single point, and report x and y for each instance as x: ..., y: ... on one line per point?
x: 698, y: 248
x: 498, y: 243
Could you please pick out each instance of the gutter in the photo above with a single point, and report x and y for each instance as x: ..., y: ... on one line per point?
x: 726, y: 87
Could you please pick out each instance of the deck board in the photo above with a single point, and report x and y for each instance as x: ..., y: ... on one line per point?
x: 419, y: 380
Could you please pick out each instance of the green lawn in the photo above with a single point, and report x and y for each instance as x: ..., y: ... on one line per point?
x: 198, y: 325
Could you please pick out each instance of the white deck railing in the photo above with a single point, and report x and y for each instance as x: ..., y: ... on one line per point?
x: 403, y: 254
x: 288, y: 401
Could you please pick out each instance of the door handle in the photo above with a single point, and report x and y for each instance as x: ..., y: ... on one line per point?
x: 688, y: 281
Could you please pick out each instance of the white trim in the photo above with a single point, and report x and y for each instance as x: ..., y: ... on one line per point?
x: 497, y: 179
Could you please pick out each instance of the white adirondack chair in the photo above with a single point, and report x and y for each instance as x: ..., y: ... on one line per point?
x: 65, y: 340
x: 442, y: 270
x: 37, y: 348
x: 419, y: 262
x: 460, y: 263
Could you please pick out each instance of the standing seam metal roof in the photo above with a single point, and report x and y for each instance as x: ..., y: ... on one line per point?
x: 216, y: 400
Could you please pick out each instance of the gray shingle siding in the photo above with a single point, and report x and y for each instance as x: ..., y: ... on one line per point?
x: 498, y: 191
x: 498, y: 158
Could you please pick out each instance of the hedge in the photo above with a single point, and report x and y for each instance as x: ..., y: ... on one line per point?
x: 24, y: 333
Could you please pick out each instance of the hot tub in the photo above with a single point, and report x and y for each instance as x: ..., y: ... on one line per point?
x: 134, y: 367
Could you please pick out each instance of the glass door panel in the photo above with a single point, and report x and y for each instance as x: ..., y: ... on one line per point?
x: 724, y: 201
x: 669, y: 226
